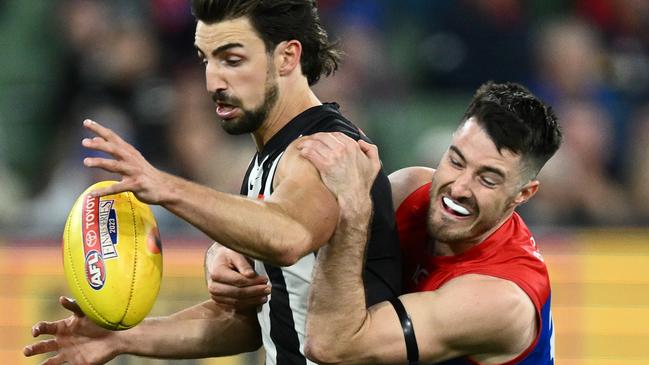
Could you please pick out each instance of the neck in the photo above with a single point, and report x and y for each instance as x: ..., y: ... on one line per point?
x: 294, y: 98
x: 451, y: 249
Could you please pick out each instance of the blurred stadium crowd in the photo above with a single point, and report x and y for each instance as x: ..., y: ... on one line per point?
x: 410, y: 69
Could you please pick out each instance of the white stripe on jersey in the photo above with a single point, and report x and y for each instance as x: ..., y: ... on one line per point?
x: 297, y: 276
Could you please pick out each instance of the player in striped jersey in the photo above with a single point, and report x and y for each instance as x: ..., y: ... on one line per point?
x: 261, y: 58
x: 480, y: 292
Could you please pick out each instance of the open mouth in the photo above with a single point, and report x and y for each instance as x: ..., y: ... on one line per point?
x: 226, y: 111
x: 455, y: 208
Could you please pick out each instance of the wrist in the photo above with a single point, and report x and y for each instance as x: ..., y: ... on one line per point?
x: 169, y: 188
x: 355, y: 208
x: 120, y: 343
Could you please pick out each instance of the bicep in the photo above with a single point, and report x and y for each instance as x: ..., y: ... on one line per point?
x: 384, y: 327
x: 473, y: 317
x: 472, y: 314
x: 300, y: 194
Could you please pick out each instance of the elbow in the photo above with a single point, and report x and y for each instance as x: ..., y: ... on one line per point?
x: 291, y: 249
x: 287, y: 258
x: 322, y: 352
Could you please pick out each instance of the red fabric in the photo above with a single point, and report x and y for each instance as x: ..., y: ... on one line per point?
x: 509, y: 253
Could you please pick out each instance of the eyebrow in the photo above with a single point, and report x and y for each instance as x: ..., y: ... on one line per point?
x: 491, y: 169
x: 220, y: 49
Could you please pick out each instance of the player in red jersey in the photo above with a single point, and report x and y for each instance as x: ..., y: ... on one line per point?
x: 480, y: 290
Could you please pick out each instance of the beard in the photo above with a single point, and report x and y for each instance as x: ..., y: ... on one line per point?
x: 444, y: 229
x: 251, y: 120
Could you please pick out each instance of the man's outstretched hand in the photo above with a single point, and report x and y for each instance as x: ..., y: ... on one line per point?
x: 77, y: 340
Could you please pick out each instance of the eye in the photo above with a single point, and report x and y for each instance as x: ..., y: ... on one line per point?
x: 488, y: 182
x: 454, y: 162
x: 233, y: 61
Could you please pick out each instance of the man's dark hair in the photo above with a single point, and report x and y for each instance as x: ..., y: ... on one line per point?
x: 276, y: 21
x: 518, y: 121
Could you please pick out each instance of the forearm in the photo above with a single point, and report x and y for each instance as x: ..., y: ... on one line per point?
x: 337, y: 307
x: 255, y: 228
x: 204, y: 330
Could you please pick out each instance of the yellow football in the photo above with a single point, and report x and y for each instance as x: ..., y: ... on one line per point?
x: 112, y: 257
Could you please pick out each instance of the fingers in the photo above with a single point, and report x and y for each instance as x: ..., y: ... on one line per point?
x: 316, y: 152
x: 240, y: 303
x: 229, y: 286
x: 44, y: 328
x: 102, y: 163
x: 368, y: 148
x: 71, y: 305
x: 228, y: 276
x: 41, y: 347
x: 116, y: 166
x: 332, y: 140
x: 242, y: 265
x: 99, y: 144
x: 103, y: 132
x: 111, y: 189
x: 233, y: 289
x: 372, y: 153
x: 228, y: 291
x: 106, y: 141
x: 327, y: 142
x: 110, y: 143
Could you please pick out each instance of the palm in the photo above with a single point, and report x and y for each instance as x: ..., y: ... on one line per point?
x: 80, y: 340
x: 77, y: 340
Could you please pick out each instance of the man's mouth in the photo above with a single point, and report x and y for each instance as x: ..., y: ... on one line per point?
x: 455, y: 208
x: 226, y: 111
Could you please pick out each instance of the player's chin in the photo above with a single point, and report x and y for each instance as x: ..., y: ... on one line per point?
x: 451, y: 231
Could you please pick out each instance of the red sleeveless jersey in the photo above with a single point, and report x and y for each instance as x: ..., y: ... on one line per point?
x: 509, y: 253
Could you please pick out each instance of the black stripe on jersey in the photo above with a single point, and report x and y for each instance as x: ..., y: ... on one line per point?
x: 282, y: 326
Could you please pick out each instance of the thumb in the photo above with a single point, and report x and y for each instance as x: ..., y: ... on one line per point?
x: 372, y: 153
x: 109, y: 190
x: 368, y: 148
x: 242, y: 265
x: 71, y: 305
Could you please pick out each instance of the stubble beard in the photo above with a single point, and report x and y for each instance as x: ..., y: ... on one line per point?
x: 445, y: 229
x: 251, y: 120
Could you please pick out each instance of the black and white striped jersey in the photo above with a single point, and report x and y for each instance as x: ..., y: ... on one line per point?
x: 283, y: 317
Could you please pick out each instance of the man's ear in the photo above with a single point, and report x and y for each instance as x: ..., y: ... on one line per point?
x: 288, y: 55
x: 527, y: 192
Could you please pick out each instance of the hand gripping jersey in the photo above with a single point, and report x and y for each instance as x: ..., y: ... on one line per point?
x: 283, y: 317
x: 509, y: 253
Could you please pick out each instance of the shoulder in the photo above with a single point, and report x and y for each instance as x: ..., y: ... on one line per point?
x: 405, y: 181
x: 292, y: 163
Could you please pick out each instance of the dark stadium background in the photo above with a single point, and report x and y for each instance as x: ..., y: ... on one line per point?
x: 410, y: 69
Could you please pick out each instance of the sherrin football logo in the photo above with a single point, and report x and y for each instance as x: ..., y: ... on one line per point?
x: 95, y: 270
x: 99, y: 223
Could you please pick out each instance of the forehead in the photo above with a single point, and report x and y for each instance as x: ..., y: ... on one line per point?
x: 477, y: 147
x: 233, y: 31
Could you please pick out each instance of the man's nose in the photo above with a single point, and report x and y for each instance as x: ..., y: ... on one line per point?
x: 214, y: 80
x: 461, y: 186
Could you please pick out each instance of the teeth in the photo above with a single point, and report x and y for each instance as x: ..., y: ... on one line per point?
x: 455, y: 207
